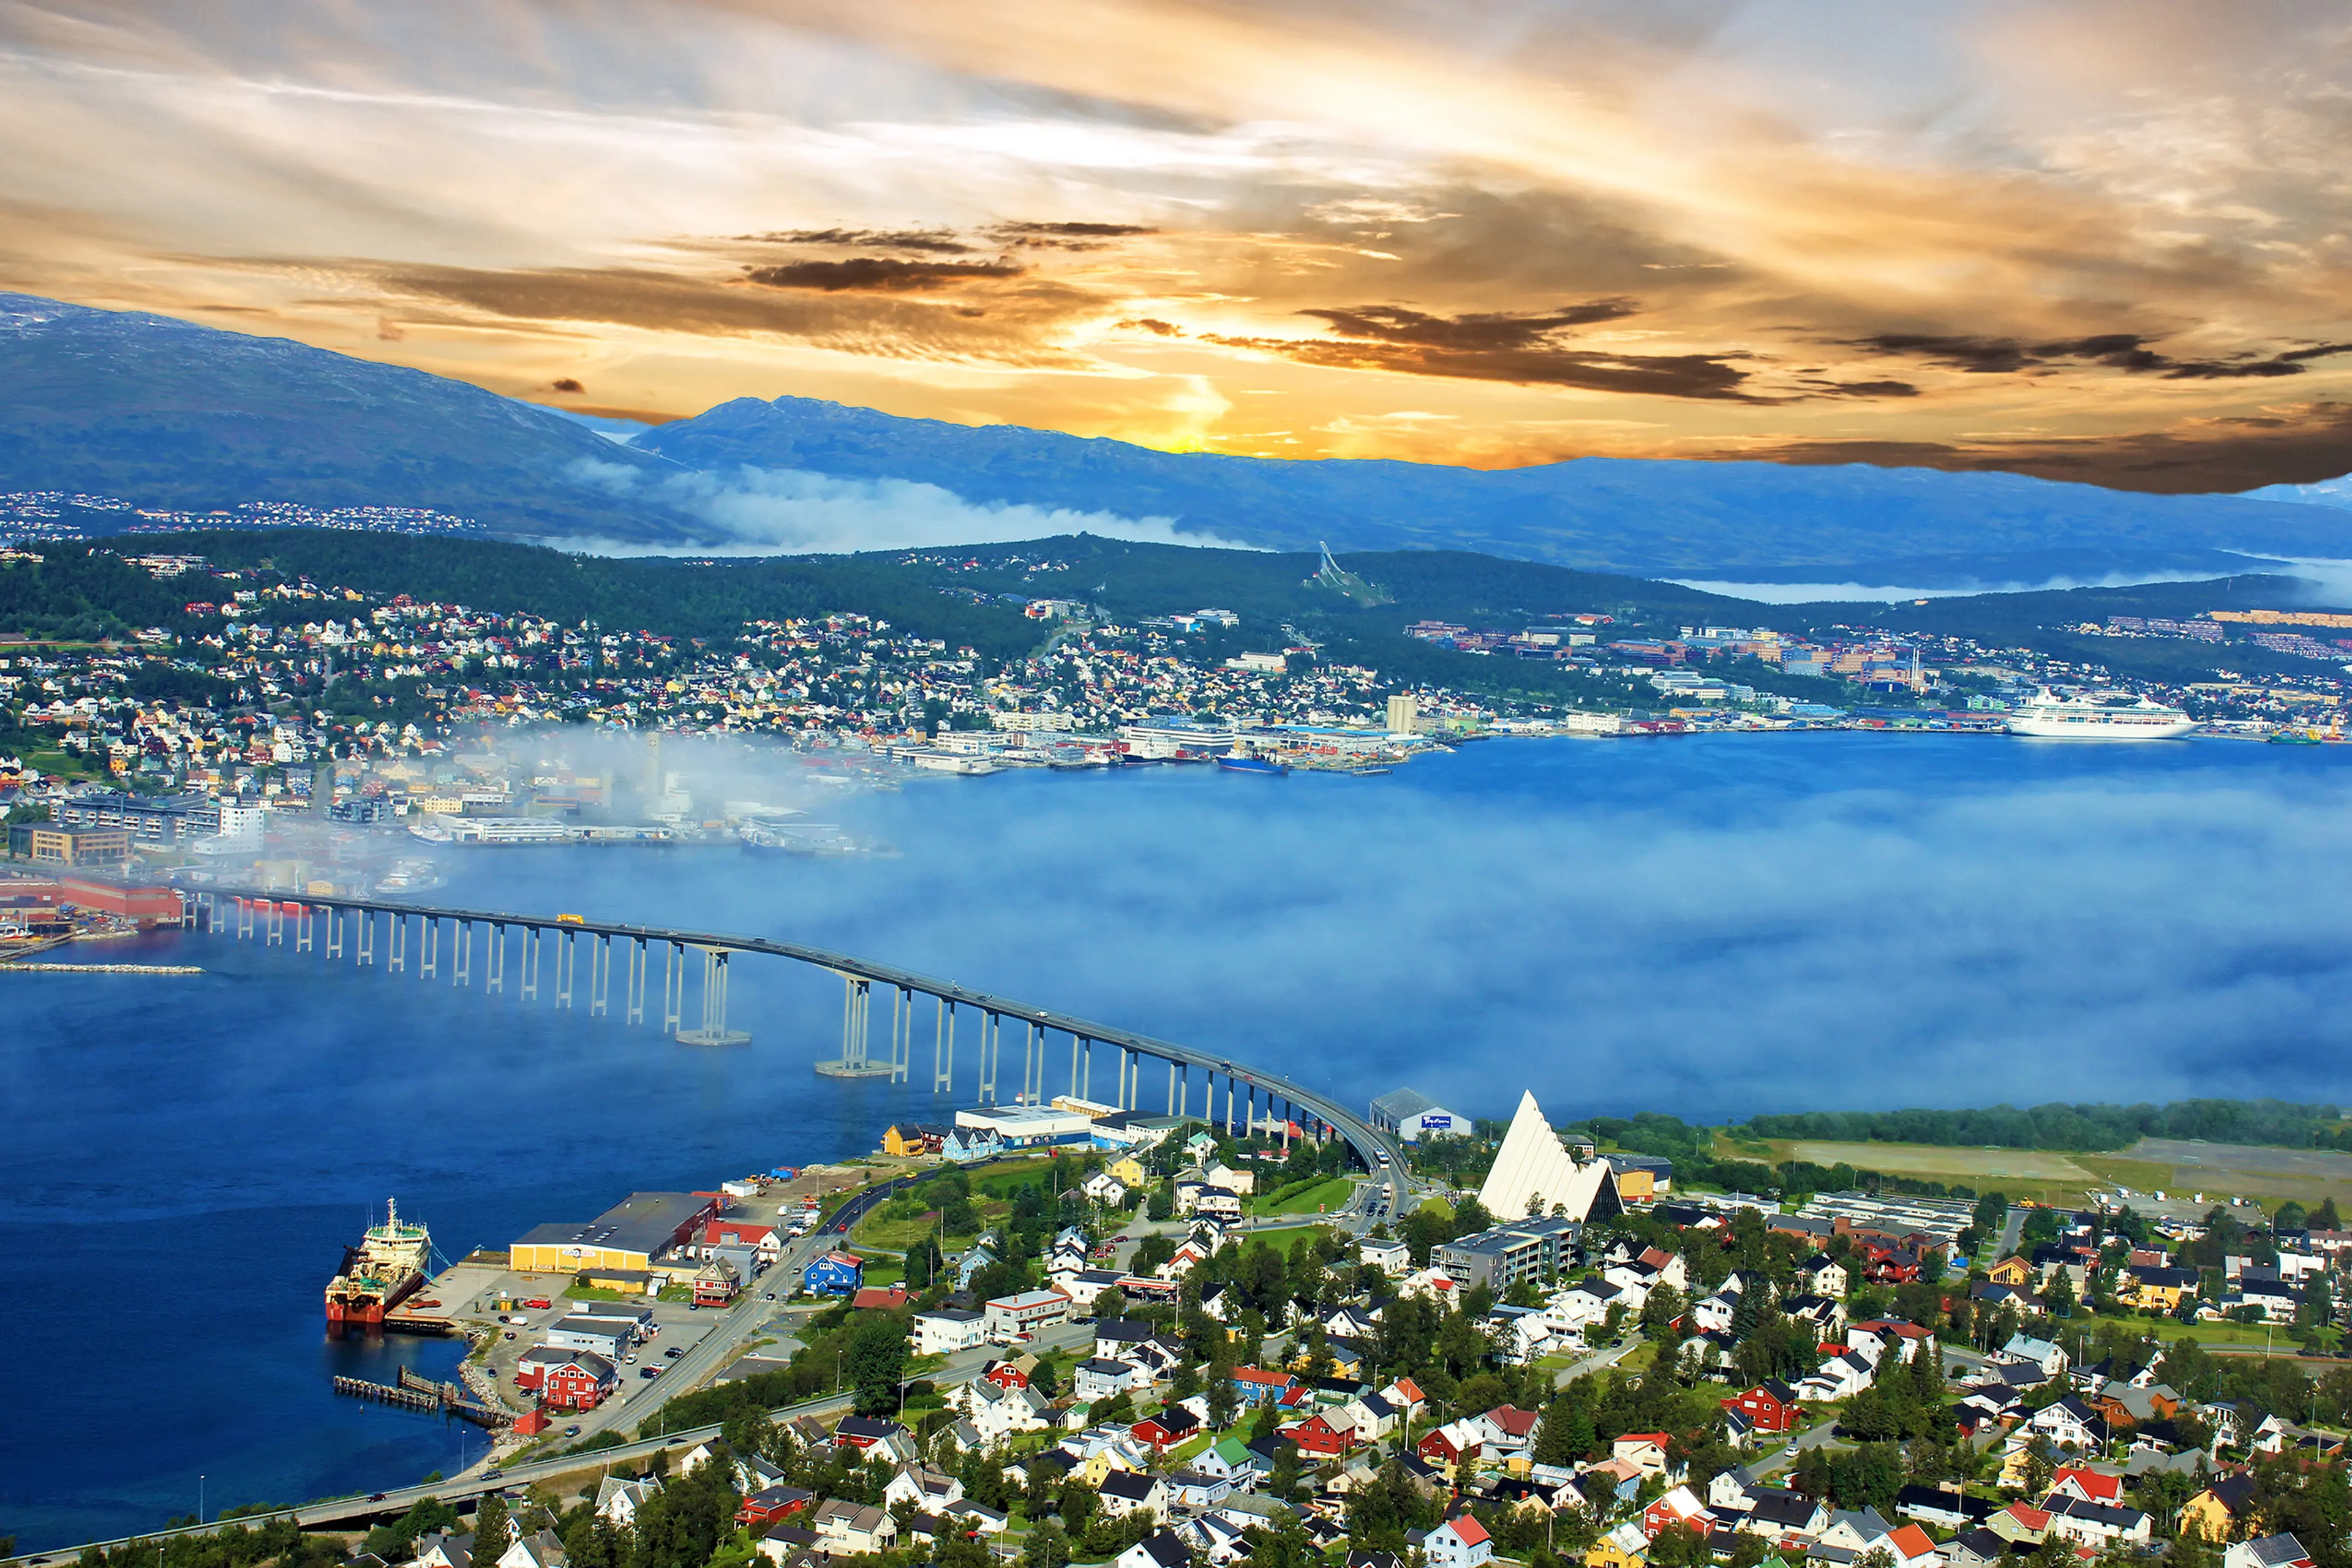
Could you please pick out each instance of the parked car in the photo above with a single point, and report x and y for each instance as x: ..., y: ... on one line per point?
x: 572, y: 1431
x: 675, y: 1351
x: 649, y: 1371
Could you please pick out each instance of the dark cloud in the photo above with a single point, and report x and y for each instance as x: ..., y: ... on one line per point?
x: 878, y: 274
x: 1152, y: 324
x: 2222, y: 456
x: 1064, y: 235
x: 568, y: 385
x: 1526, y: 350
x: 1703, y: 376
x: 1074, y: 230
x: 1395, y: 324
x: 891, y: 324
x: 2125, y: 351
x: 936, y: 241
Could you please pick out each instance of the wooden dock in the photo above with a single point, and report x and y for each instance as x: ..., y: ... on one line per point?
x: 424, y: 1395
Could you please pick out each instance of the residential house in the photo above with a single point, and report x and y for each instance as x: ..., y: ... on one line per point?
x: 1394, y: 1258
x: 1170, y: 1427
x: 772, y: 1505
x: 853, y: 1529
x: 1678, y: 1509
x: 928, y: 1491
x: 874, y: 1435
x: 2097, y: 1525
x: 2268, y: 1552
x: 834, y: 1274
x: 1463, y: 1543
x: 1770, y: 1408
x: 1451, y: 1444
x: 618, y: 1502
x: 440, y: 1549
x: 2025, y: 1349
x: 1840, y: 1376
x: 1505, y: 1430
x: 1253, y: 1385
x: 541, y: 1549
x: 1165, y: 1549
x: 1229, y: 1459
x: 1105, y: 1188
x: 1123, y: 1492
x: 1822, y: 1275
x: 1645, y: 1451
x: 2163, y: 1288
x: 944, y: 1331
x: 2070, y: 1423
x: 2214, y: 1513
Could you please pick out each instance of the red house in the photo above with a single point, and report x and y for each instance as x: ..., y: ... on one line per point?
x: 1449, y: 1445
x: 770, y: 1504
x: 1317, y: 1436
x: 1010, y: 1373
x: 1769, y: 1406
x: 1172, y: 1426
x: 582, y: 1382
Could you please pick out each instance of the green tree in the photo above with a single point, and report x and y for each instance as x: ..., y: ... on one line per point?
x: 874, y: 1361
x: 1048, y: 1546
x: 493, y: 1530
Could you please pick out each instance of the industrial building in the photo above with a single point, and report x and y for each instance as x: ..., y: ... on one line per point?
x: 52, y: 844
x: 1412, y: 1116
x: 630, y: 1235
x: 1023, y: 1126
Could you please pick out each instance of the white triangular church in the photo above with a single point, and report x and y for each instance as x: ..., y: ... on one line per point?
x: 1533, y: 1169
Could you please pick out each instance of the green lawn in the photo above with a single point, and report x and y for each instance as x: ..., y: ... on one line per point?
x: 1321, y: 1197
x: 1282, y: 1237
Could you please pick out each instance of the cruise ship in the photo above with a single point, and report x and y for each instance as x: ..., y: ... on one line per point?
x: 2099, y: 716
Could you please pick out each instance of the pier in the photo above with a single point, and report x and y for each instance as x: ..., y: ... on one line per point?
x: 424, y: 1395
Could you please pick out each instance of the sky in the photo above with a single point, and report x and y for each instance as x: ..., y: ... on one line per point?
x: 2099, y: 239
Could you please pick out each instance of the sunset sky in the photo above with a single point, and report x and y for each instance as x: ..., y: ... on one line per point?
x: 2103, y: 240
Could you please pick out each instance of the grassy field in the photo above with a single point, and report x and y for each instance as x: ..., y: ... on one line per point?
x: 1319, y: 1198
x: 1282, y: 1237
x: 1974, y: 1166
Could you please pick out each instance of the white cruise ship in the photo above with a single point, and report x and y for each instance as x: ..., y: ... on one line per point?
x: 2099, y: 716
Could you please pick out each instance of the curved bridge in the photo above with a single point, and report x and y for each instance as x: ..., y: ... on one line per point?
x: 548, y: 954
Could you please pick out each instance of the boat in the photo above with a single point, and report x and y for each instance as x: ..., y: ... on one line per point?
x: 2295, y: 738
x: 2099, y: 716
x: 383, y: 1270
x: 1262, y: 765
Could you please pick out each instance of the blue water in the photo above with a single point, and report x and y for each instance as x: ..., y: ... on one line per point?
x: 1711, y: 926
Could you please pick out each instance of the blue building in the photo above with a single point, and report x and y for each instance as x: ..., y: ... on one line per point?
x: 834, y: 1274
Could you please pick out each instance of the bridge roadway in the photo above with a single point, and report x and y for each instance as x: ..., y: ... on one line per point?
x: 1381, y: 1154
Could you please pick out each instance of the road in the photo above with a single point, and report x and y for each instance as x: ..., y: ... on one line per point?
x: 1597, y: 1361
x: 739, y: 1324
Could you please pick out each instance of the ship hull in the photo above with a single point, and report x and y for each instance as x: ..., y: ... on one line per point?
x: 1252, y: 766
x: 2100, y: 728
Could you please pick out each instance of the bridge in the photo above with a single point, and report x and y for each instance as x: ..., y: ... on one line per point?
x: 569, y: 961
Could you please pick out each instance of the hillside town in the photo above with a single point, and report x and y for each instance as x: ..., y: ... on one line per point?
x: 276, y: 680
x: 1127, y: 1347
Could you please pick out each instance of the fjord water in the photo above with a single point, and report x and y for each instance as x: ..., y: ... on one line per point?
x: 1710, y: 926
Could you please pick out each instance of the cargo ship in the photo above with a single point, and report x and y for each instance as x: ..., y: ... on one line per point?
x: 1240, y: 764
x: 385, y: 1269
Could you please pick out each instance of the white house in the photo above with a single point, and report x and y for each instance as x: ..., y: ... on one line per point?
x: 928, y: 1491
x: 618, y: 1501
x: 1394, y: 1258
x: 1459, y: 1543
x: 1105, y: 1188
x: 2023, y: 1350
x: 943, y: 1330
x: 1123, y: 1492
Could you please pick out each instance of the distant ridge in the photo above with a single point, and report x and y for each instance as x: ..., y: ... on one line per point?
x: 1649, y: 516
x: 170, y: 414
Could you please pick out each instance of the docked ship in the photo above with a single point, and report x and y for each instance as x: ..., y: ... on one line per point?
x: 385, y: 1269
x: 1242, y: 764
x: 2099, y: 716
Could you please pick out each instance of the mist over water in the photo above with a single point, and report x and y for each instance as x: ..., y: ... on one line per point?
x: 1712, y: 926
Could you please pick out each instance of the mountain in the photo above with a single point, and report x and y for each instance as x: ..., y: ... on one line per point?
x: 1719, y: 519
x: 167, y: 413
x: 2336, y: 493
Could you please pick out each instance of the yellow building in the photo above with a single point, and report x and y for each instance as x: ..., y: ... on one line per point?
x: 1636, y: 1186
x: 630, y: 1235
x: 909, y: 1140
x: 2161, y: 1287
x: 1127, y: 1169
x: 1609, y: 1551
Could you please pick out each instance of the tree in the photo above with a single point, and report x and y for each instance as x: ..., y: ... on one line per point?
x: 1565, y: 1434
x: 874, y: 1361
x: 1111, y: 1303
x: 1223, y: 1402
x: 1048, y: 1546
x: 493, y: 1530
x: 2059, y: 1296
